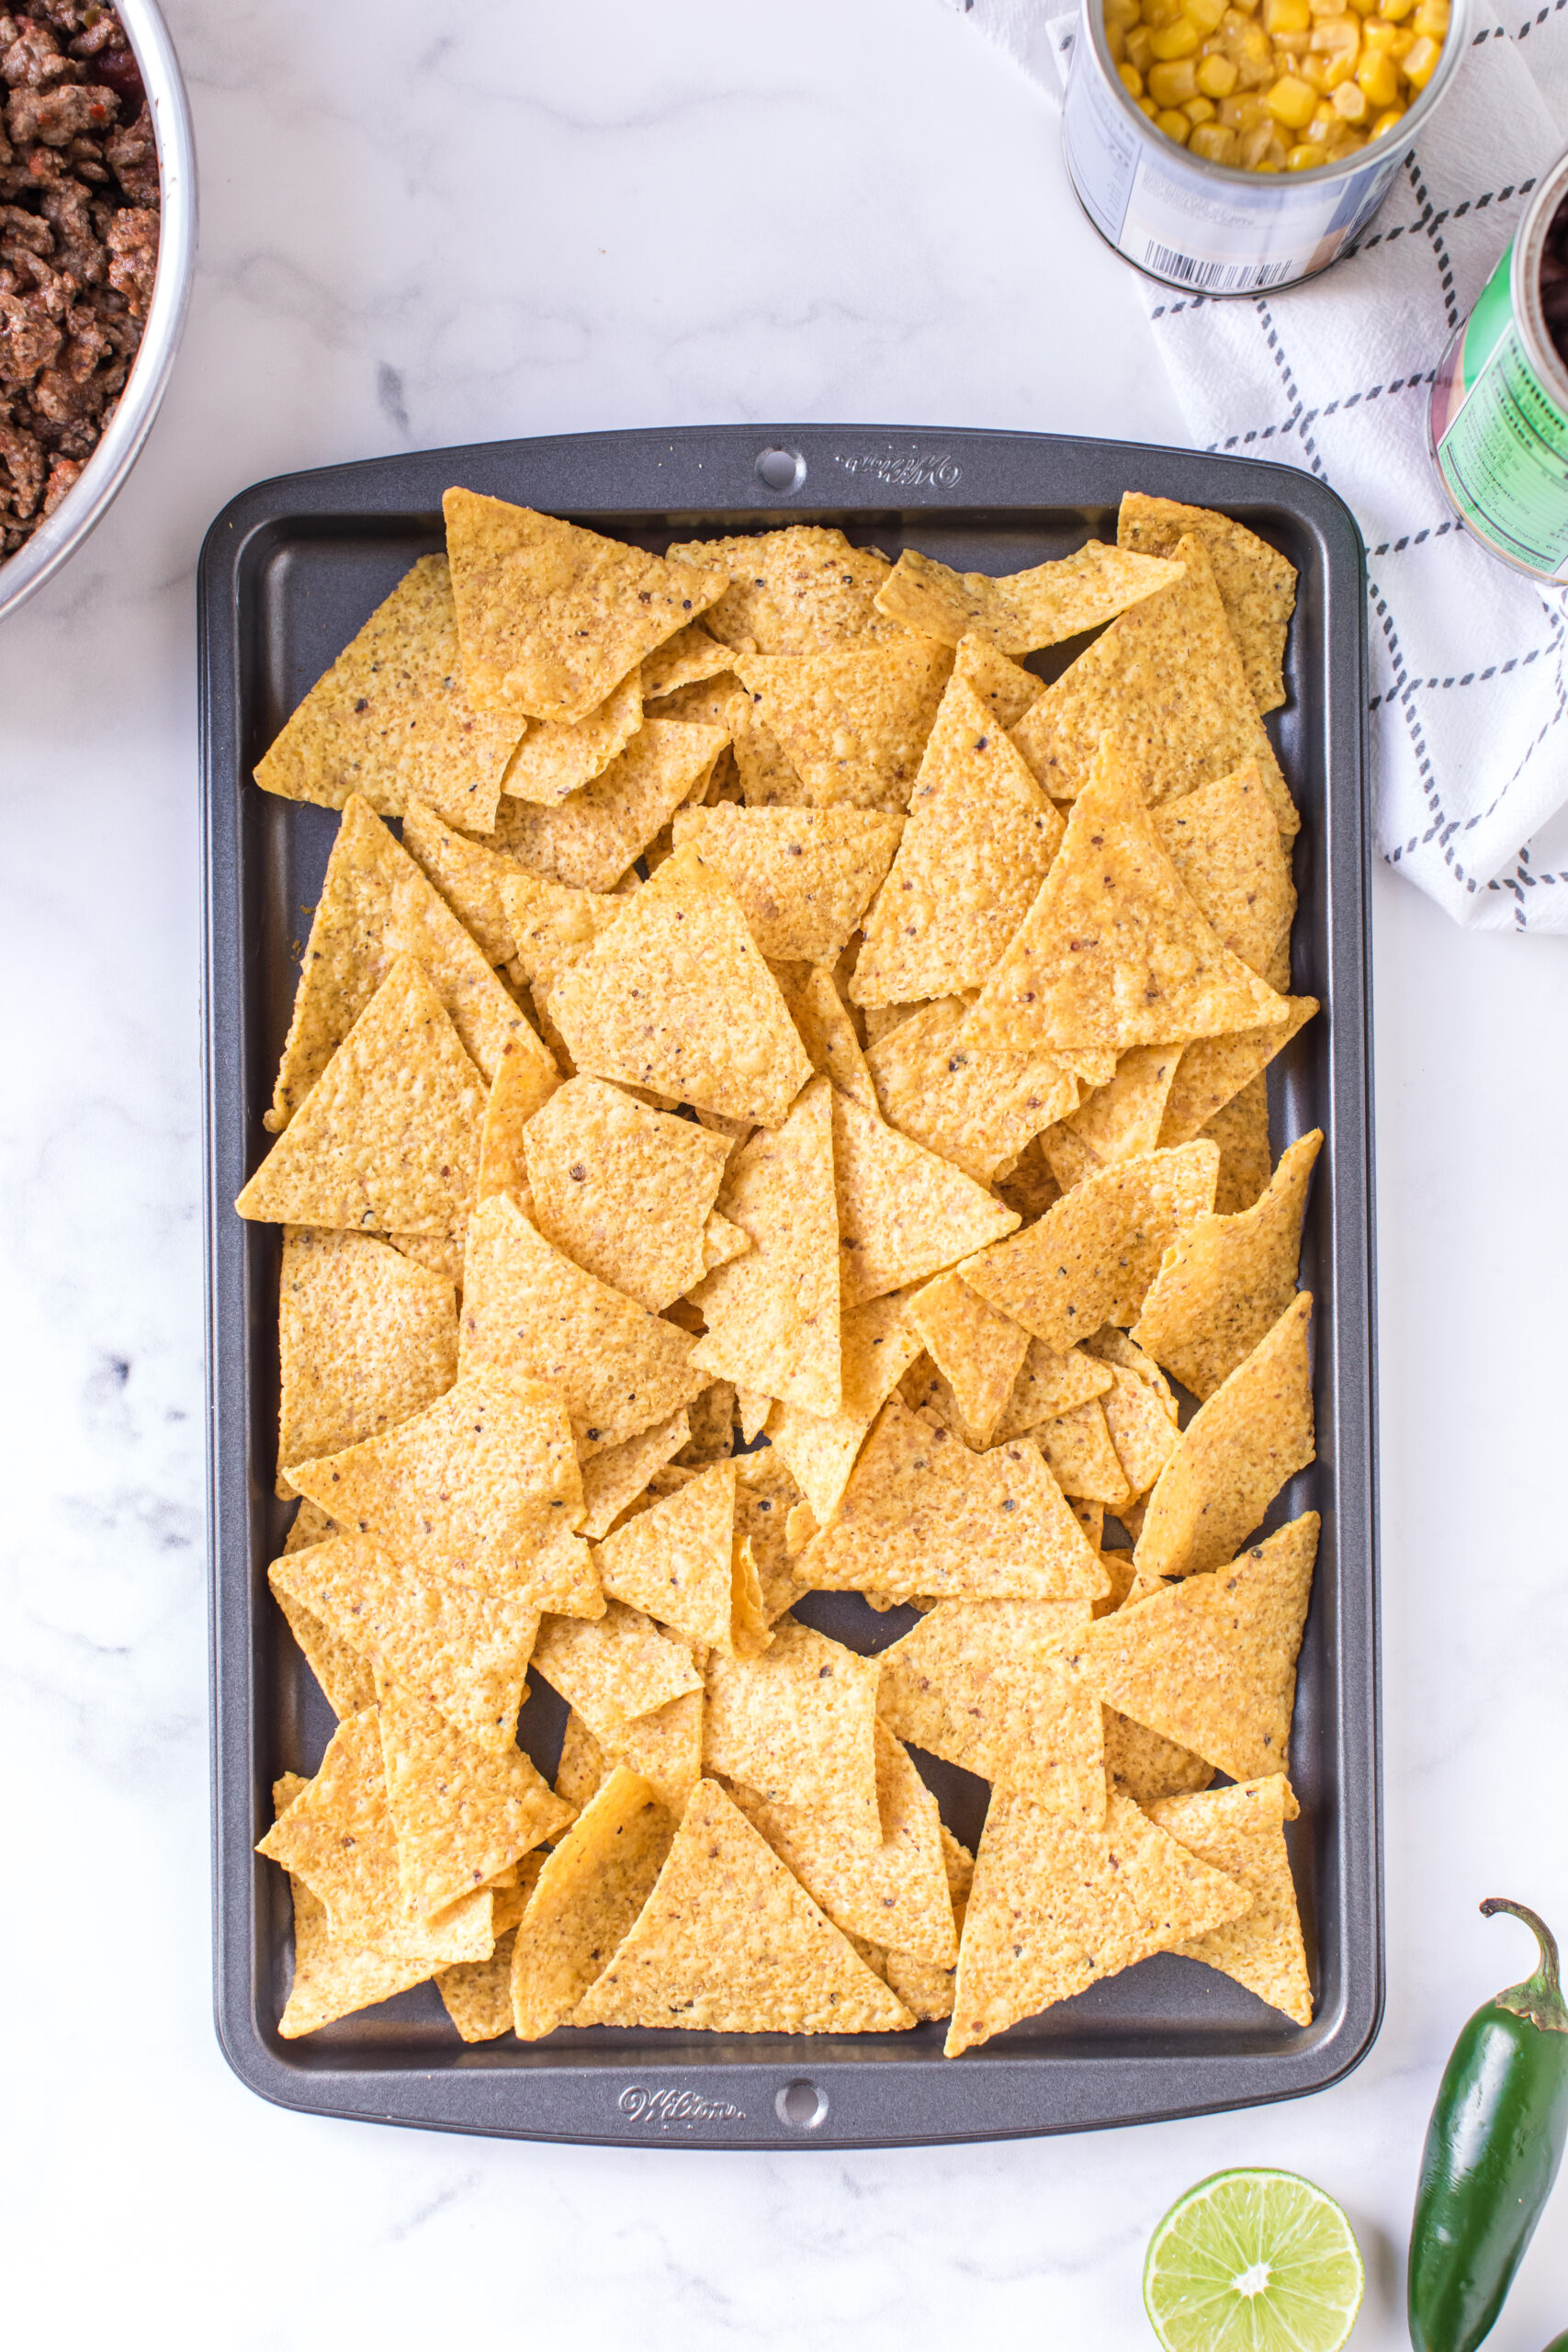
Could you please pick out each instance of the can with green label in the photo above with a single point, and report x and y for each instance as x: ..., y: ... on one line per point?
x: 1498, y: 418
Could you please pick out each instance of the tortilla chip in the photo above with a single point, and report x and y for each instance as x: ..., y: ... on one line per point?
x: 555, y: 759
x: 986, y: 1685
x: 527, y: 1309
x: 1142, y: 1431
x: 977, y: 1110
x: 1212, y: 1072
x: 461, y: 1813
x: 366, y: 1338
x: 550, y: 617
x: 622, y: 1191
x: 477, y: 1995
x: 588, y: 841
x: 346, y: 1679
x: 615, y: 1478
x: 1226, y: 1280
x: 334, y: 1978
x: 582, y: 1769
x: 1092, y: 1258
x: 1048, y: 1385
x: 769, y: 779
x: 474, y: 1485
x: 390, y: 719
x: 467, y: 875
x: 898, y: 1889
x: 439, y: 1253
x: 614, y: 1669
x: 664, y: 1748
x: 1084, y: 1462
x: 1242, y: 1832
x: 519, y: 1092
x: 687, y: 658
x: 676, y: 996
x: 903, y: 1213
x: 1165, y: 682
x: 1257, y: 585
x: 712, y: 1419
x: 878, y: 1346
x: 1056, y: 1904
x: 1005, y: 690
x: 1254, y: 1433
x: 551, y: 925
x: 853, y: 723
x: 1021, y: 611
x: 337, y: 1835
x: 588, y: 1895
x: 979, y: 1351
x: 1146, y: 1765
x: 731, y: 1942
x: 1121, y: 1121
x: 827, y: 1032
x: 794, y: 1725
x: 1225, y: 845
x: 388, y: 1136
x: 1211, y: 1663
x: 797, y: 591
x: 772, y: 1316
x: 1115, y: 952
x: 921, y: 1514
x: 803, y: 877
x: 1241, y: 1131
x: 979, y: 840
x: 765, y: 1495
x: 676, y: 1560
x: 462, y: 1652
x: 309, y: 1525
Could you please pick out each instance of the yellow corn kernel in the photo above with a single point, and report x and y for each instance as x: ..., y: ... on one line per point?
x: 1161, y: 12
x: 1305, y: 157
x: 1388, y: 120
x: 1175, y: 126
x: 1122, y: 12
x: 1148, y: 105
x: 1420, y: 61
x: 1287, y: 15
x: 1245, y: 113
x: 1204, y: 14
x: 1393, y: 12
x: 1431, y: 19
x: 1314, y: 70
x: 1338, y: 41
x: 1379, y: 77
x: 1291, y: 101
x: 1138, y: 41
x: 1240, y: 8
x: 1350, y: 102
x: 1174, y: 41
x: 1217, y: 76
x: 1364, y: 7
x: 1324, y: 125
x: 1199, y: 110
x: 1174, y: 84
x: 1236, y: 20
x: 1385, y: 40
x: 1213, y: 142
x: 1132, y: 80
x: 1344, y: 146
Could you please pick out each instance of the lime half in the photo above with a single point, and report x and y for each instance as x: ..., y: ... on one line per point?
x: 1253, y: 2262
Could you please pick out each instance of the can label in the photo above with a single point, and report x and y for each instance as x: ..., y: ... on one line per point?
x: 1191, y: 226
x: 1502, y: 454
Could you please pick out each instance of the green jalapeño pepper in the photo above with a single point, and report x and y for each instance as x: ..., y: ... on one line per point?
x: 1493, y: 2148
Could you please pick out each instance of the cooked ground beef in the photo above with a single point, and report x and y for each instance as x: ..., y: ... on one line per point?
x: 78, y: 244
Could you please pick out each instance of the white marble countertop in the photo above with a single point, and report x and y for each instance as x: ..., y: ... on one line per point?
x: 414, y: 232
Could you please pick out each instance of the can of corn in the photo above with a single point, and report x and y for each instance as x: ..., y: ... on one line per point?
x: 1279, y: 198
x: 1498, y: 415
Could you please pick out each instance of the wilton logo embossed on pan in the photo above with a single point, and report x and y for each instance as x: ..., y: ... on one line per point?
x: 911, y: 472
x: 663, y: 2107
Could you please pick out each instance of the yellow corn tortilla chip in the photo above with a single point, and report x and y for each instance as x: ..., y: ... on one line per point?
x: 1056, y: 1904
x: 615, y: 1478
x: 986, y: 1684
x: 1226, y: 1280
x: 1005, y: 690
x: 1225, y: 845
x: 1167, y: 683
x: 555, y: 759
x: 1090, y: 1517
x: 439, y: 1253
x: 796, y: 591
x: 1211, y: 1663
x: 1090, y: 1259
x: 712, y: 1418
x: 1257, y: 585
x: 877, y: 1347
x: 624, y: 1190
x: 587, y: 1896
x: 979, y: 1351
x: 588, y: 841
x: 309, y: 1525
x: 796, y: 1726
x: 730, y: 1940
x: 477, y: 1484
x: 1213, y: 1071
x: 528, y: 1309
x: 921, y: 1515
x: 1110, y: 1345
x: 333, y: 1978
x: 826, y: 1029
x: 551, y: 925
x: 1254, y: 1433
x: 1121, y: 1121
x: 769, y: 779
x: 366, y: 1338
x: 1069, y: 1160
x: 1242, y: 1832
x: 518, y: 1092
x: 676, y: 996
x: 581, y: 1770
x: 551, y: 617
x: 772, y: 1315
x: 898, y: 1889
x: 676, y: 1561
x: 337, y: 1835
x: 979, y: 840
x: 765, y: 1496
x: 689, y: 658
x: 1240, y: 1128
x: 853, y: 722
x: 1148, y: 1767
x: 462, y: 1652
x: 615, y: 1668
x: 477, y: 1995
x: 1084, y: 1462
x: 977, y: 1110
x: 388, y: 1138
x: 1021, y: 611
x: 467, y: 875
x: 1143, y: 1432
x: 461, y: 1813
x: 664, y: 1746
x: 1115, y: 951
x: 903, y: 1213
x: 803, y: 877
x: 1049, y: 1383
x: 346, y: 1678
x: 390, y: 719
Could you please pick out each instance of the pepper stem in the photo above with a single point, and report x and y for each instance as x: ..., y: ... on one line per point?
x: 1540, y: 1997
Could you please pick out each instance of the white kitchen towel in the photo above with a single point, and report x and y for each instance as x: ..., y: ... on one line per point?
x: 1469, y: 701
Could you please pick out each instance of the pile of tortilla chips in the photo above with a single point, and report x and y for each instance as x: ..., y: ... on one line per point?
x: 788, y: 1116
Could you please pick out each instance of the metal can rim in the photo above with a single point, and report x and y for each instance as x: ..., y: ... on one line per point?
x: 1524, y: 282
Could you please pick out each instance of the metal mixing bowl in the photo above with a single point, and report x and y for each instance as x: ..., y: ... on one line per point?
x: 86, y: 502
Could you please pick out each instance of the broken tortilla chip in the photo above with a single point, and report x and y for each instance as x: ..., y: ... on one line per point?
x: 1005, y: 690
x: 825, y: 1030
x: 1021, y: 611
x: 554, y: 760
x: 1147, y: 1765
x: 1242, y: 1831
x: 878, y: 1346
x: 979, y: 1351
x: 615, y: 1478
x: 346, y: 1677
x: 986, y: 1685
x: 689, y: 658
x: 1257, y: 585
x: 1240, y: 1130
x: 1121, y: 1120
x: 588, y: 841
x: 1214, y: 1070
x: 587, y: 1896
x: 677, y: 1560
x: 1082, y: 1458
x: 1224, y: 1282
x: 1049, y: 1383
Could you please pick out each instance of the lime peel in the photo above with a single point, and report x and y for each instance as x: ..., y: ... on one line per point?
x: 1253, y: 2260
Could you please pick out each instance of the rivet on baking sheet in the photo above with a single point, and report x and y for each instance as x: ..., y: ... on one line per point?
x: 781, y: 469
x: 801, y: 2106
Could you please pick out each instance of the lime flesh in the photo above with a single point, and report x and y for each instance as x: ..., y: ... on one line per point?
x: 1253, y: 2262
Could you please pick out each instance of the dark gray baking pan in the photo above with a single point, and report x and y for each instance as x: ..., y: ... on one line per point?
x: 290, y: 572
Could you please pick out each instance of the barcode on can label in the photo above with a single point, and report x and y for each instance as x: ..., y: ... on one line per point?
x: 1217, y: 277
